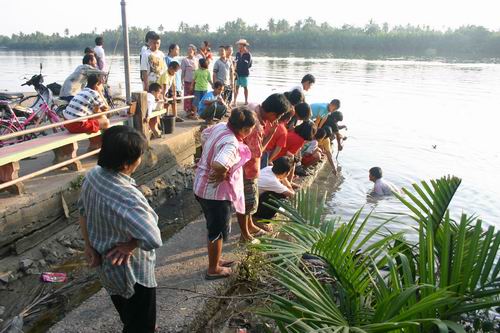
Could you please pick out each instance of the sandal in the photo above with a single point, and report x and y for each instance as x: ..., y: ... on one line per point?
x: 259, y: 233
x: 267, y: 227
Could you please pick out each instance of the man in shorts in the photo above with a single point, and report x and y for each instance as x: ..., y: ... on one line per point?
x: 243, y: 63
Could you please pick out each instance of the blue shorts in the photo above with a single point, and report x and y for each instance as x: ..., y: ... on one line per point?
x: 242, y: 81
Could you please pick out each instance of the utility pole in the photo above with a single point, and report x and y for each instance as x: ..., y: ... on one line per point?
x: 126, y: 50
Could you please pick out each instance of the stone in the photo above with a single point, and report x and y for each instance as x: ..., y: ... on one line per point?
x: 2, y: 310
x: 146, y: 191
x: 42, y: 263
x: 24, y: 264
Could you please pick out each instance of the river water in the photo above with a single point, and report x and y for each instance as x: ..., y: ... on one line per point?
x: 417, y: 120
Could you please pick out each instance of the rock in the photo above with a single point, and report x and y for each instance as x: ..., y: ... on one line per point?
x: 42, y: 263
x: 33, y: 271
x: 25, y: 264
x: 146, y: 191
x: 2, y: 310
x: 160, y: 184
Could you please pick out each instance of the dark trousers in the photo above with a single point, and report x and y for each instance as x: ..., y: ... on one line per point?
x: 138, y: 313
x: 264, y: 212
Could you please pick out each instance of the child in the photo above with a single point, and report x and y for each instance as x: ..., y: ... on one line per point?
x: 188, y: 66
x: 154, y: 95
x: 153, y: 65
x: 324, y: 109
x: 273, y: 182
x: 223, y: 71
x: 297, y: 137
x: 85, y: 103
x: 381, y: 187
x: 212, y: 105
x: 169, y: 83
x: 277, y: 141
x: 201, y: 80
x: 331, y: 120
x: 316, y: 149
x: 302, y: 113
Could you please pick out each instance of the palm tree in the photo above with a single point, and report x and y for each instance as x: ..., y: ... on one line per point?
x: 376, y: 281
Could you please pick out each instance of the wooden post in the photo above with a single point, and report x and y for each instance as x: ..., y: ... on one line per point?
x: 10, y: 171
x: 141, y: 113
x: 65, y: 153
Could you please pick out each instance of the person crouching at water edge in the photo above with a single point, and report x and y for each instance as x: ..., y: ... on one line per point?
x: 212, y: 106
x: 218, y: 182
x: 120, y: 229
x: 86, y: 103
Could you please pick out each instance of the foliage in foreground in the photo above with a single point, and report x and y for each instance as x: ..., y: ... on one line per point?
x: 374, y: 281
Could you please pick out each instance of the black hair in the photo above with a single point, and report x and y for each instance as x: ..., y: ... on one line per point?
x: 282, y: 165
x: 92, y: 80
x: 203, y: 63
x: 218, y: 84
x: 148, y: 36
x: 206, y: 44
x: 321, y: 133
x: 99, y: 40
x: 337, y: 116
x: 295, y: 96
x: 88, y: 50
x: 174, y: 65
x: 276, y: 103
x: 154, y: 36
x: 308, y: 78
x: 241, y: 117
x: 172, y: 47
x: 306, y: 130
x: 335, y: 102
x: 376, y: 172
x: 87, y: 58
x: 153, y: 87
x: 303, y: 111
x: 121, y: 146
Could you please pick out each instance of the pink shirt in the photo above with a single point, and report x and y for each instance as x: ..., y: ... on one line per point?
x: 220, y: 145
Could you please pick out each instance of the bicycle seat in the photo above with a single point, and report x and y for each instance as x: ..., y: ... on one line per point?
x: 9, y: 95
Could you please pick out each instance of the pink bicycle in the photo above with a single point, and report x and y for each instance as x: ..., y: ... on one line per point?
x: 19, y: 118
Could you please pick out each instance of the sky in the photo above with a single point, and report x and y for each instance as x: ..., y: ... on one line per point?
x: 47, y: 15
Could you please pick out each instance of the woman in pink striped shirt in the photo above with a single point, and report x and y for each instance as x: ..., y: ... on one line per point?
x: 218, y: 182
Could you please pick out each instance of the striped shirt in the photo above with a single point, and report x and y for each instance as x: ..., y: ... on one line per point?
x: 83, y: 104
x: 221, y: 145
x: 116, y: 211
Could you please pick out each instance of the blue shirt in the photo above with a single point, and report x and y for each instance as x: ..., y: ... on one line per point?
x: 209, y: 96
x: 319, y: 109
x: 116, y: 211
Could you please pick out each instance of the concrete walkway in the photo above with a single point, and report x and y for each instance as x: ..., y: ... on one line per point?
x: 181, y: 264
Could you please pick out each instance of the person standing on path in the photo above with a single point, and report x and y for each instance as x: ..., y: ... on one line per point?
x: 99, y: 53
x: 243, y: 63
x: 267, y: 115
x: 218, y: 182
x: 120, y: 229
x: 188, y: 66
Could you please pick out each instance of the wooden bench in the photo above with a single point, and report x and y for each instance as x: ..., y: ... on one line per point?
x: 64, y: 145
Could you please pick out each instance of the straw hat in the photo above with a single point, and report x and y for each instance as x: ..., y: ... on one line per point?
x: 242, y: 41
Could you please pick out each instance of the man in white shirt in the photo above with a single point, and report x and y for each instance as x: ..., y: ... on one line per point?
x: 273, y: 183
x: 305, y: 84
x: 99, y: 52
x: 381, y: 187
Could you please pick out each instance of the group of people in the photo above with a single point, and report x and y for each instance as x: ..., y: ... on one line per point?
x: 249, y: 158
x: 214, y: 83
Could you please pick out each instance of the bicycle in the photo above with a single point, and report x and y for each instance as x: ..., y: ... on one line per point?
x: 19, y: 118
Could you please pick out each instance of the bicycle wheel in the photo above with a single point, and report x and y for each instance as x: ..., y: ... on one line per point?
x: 4, y: 130
x: 29, y: 101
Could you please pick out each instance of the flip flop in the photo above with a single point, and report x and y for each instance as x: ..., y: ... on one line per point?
x: 260, y: 233
x: 216, y: 276
x: 229, y: 263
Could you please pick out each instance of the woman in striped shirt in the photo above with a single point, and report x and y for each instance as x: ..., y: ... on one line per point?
x: 218, y: 182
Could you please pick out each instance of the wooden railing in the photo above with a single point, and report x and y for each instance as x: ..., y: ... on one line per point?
x: 64, y: 145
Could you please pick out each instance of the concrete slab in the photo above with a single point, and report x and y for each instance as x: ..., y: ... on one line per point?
x: 181, y: 264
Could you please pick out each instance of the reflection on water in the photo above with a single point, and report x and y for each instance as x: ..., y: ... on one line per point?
x: 396, y: 112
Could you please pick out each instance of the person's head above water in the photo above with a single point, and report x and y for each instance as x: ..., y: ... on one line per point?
x: 375, y: 173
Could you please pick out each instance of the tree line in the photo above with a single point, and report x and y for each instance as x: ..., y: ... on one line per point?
x: 303, y: 35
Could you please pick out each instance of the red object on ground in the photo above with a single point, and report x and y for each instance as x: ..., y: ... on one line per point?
x: 53, y: 277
